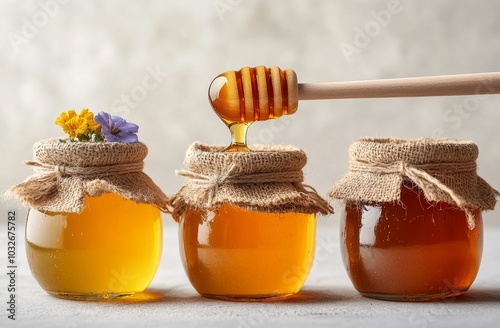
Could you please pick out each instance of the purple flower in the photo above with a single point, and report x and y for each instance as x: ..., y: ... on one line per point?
x: 116, y: 129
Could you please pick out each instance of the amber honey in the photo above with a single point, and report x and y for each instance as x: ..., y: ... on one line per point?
x: 244, y: 255
x: 238, y: 136
x: 252, y: 94
x: 111, y: 249
x: 412, y: 249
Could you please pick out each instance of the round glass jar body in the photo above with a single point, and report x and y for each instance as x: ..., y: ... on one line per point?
x: 411, y: 250
x: 235, y: 254
x: 111, y: 249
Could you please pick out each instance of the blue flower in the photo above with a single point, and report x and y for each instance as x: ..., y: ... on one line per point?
x: 116, y: 129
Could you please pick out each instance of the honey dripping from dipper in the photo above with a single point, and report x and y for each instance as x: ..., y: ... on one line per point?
x: 252, y: 94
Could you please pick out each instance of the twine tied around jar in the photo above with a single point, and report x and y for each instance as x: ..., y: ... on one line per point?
x: 85, y: 171
x: 212, y: 182
x: 65, y: 172
x: 267, y: 179
x: 444, y: 169
x: 44, y: 183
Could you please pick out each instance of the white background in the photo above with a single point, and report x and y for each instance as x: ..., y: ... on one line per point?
x: 92, y: 53
x: 57, y: 56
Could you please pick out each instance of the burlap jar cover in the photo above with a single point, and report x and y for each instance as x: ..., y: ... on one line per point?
x: 266, y: 179
x: 67, y: 171
x: 444, y: 169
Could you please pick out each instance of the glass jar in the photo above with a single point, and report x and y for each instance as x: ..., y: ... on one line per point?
x: 235, y: 254
x: 111, y: 249
x: 247, y: 224
x: 410, y: 250
x: 94, y: 227
x: 412, y: 227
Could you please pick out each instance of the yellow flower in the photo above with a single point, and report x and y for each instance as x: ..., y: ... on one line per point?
x: 64, y: 117
x: 75, y: 126
x: 79, y: 126
x: 89, y: 116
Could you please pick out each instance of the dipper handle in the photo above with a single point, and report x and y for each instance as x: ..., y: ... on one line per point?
x: 444, y: 85
x: 260, y: 93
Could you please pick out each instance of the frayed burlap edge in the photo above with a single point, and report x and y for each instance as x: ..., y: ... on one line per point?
x: 444, y: 169
x: 267, y: 179
x: 66, y: 172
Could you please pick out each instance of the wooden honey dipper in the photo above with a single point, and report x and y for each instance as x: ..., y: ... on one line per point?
x: 260, y: 93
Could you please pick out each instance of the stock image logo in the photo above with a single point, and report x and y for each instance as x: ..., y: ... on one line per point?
x: 31, y: 26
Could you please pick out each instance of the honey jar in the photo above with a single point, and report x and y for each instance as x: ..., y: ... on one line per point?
x: 412, y: 228
x: 246, y: 222
x: 94, y: 227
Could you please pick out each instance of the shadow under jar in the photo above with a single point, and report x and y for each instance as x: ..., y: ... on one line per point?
x: 412, y: 227
x: 246, y: 223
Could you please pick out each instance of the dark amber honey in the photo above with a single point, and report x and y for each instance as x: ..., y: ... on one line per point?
x: 412, y: 249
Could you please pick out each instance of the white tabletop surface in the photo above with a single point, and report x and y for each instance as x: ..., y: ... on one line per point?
x: 326, y: 300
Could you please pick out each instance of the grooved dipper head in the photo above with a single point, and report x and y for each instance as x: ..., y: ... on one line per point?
x: 254, y: 94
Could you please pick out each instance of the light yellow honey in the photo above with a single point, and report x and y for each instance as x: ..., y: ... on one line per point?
x: 111, y: 249
x: 238, y: 136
